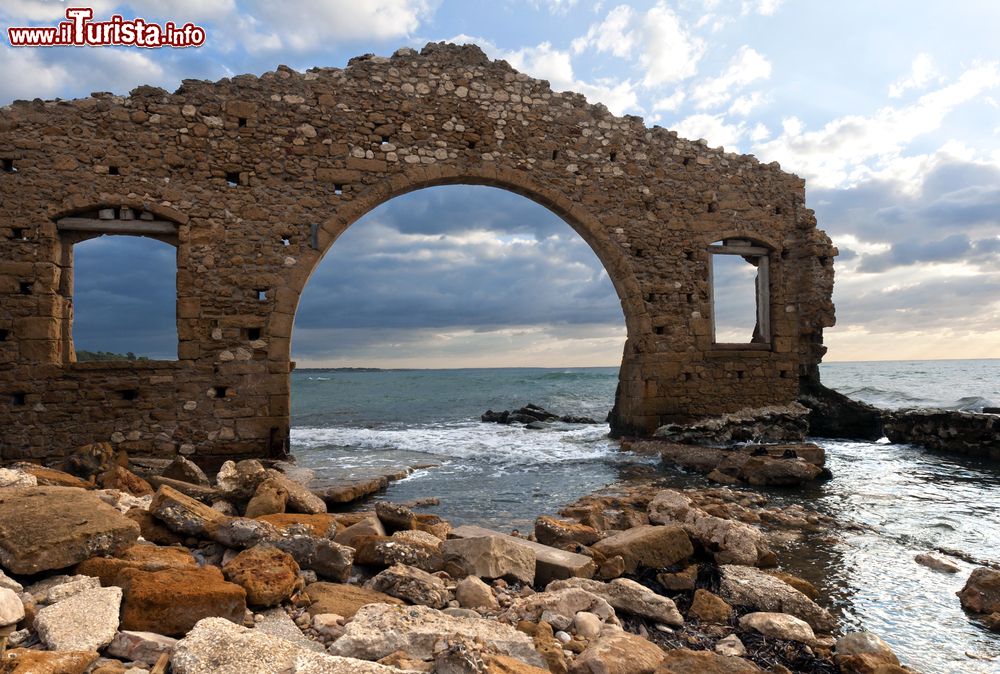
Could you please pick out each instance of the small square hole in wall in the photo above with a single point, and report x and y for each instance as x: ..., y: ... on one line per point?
x: 690, y: 298
x: 613, y: 156
x: 824, y: 260
x: 19, y: 233
x: 338, y: 189
x: 739, y: 374
x: 689, y: 255
x: 713, y: 207
x: 221, y: 391
x: 784, y: 255
x: 252, y: 334
x: 233, y: 178
x: 25, y: 287
x: 658, y: 330
x: 261, y: 295
x: 785, y: 374
x: 638, y: 252
x: 286, y: 240
x: 385, y: 140
x: 471, y: 144
x: 687, y: 161
x: 3, y: 335
x: 777, y: 210
x: 19, y: 398
x: 128, y: 394
x: 113, y: 171
x: 555, y: 155
x: 688, y: 376
x: 241, y: 122
x: 7, y: 165
x: 650, y: 297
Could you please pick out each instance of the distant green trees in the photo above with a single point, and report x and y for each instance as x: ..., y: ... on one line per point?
x: 86, y: 356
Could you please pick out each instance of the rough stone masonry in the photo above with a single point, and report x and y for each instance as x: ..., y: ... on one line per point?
x: 254, y: 178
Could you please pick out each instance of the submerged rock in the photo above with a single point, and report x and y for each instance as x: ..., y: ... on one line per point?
x: 936, y: 563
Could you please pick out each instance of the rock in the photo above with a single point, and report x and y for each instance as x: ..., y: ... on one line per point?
x: 11, y: 608
x: 171, y: 601
x: 937, y: 563
x: 559, y: 606
x: 489, y: 557
x: 238, y: 481
x: 862, y: 653
x: 627, y: 596
x: 991, y: 621
x: 300, y: 499
x: 471, y: 592
x: 774, y: 423
x: 686, y: 661
x: 501, y: 664
x: 343, y: 600
x: 90, y: 460
x: 648, y: 546
x: 16, y: 478
x: 779, y: 626
x: 185, y: 515
x: 24, y: 661
x: 379, y: 629
x: 123, y: 479
x: 50, y: 477
x: 86, y: 621
x: 57, y: 588
x: 708, y: 608
x: 800, y: 584
x: 320, y: 525
x: 144, y: 557
x: 9, y: 583
x: 730, y: 646
x: 217, y: 646
x: 146, y: 647
x: 413, y: 585
x: 328, y: 559
x: 152, y: 529
x: 751, y: 588
x: 277, y: 623
x: 329, y: 625
x: 729, y: 541
x: 945, y: 430
x: 587, y: 625
x: 618, y: 653
x: 206, y: 495
x: 550, y: 563
x: 43, y: 528
x: 268, y: 575
x: 186, y: 470
x: 395, y: 517
x: 981, y: 593
x: 413, y: 548
x: 769, y: 471
x: 679, y: 580
x: 243, y: 532
x: 611, y: 568
x: 269, y: 499
x: 563, y: 533
x: 834, y: 415
x: 122, y: 501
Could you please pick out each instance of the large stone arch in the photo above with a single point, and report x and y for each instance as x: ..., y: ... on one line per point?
x: 260, y: 175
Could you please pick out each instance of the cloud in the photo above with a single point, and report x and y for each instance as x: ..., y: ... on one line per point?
x: 850, y: 148
x: 669, y: 103
x: 923, y: 71
x: 762, y: 7
x: 745, y: 67
x: 660, y: 42
x: 712, y: 128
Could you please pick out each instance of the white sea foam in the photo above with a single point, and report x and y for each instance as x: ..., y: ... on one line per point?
x: 493, y: 443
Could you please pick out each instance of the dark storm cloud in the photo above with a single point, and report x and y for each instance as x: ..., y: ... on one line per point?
x: 125, y: 296
x: 911, y: 251
x: 458, y: 256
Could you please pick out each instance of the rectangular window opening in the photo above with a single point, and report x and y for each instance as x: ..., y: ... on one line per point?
x: 555, y: 155
x: 19, y: 234
x: 613, y: 156
x: 261, y: 295
x: 253, y: 334
x: 338, y: 189
x: 128, y: 394
x: 8, y: 166
x: 233, y: 178
x: 3, y: 335
x: 25, y: 287
x: 658, y: 329
x: 241, y: 122
x: 688, y: 376
x: 19, y: 398
x: 740, y: 291
x: 221, y: 391
x: 113, y: 171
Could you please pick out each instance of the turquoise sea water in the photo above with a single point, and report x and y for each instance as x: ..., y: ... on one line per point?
x: 909, y: 500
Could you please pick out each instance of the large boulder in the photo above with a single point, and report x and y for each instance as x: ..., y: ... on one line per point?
x: 269, y: 499
x: 413, y: 585
x: 11, y: 608
x: 864, y: 653
x: 172, y: 601
x: 564, y: 533
x: 44, y: 528
x: 617, y: 652
x: 395, y: 516
x: 981, y: 593
x: 729, y: 541
x: 217, y: 646
x: 186, y: 470
x: 779, y: 626
x: 559, y: 607
x: 366, y: 528
x: 413, y: 548
x: 380, y: 629
x: 489, y: 557
x: 753, y: 589
x: 268, y: 575
x: 146, y: 647
x: 686, y: 661
x: 25, y: 661
x: 144, y: 557
x: 238, y: 481
x: 647, y: 546
x: 320, y: 525
x: 300, y: 498
x: 627, y: 596
x: 85, y: 621
x: 185, y: 515
x: 328, y: 559
x: 343, y: 600
x: 123, y: 479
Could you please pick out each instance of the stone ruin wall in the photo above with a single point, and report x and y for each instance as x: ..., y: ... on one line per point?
x: 313, y: 152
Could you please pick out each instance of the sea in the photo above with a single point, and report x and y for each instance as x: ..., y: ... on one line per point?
x: 891, y: 502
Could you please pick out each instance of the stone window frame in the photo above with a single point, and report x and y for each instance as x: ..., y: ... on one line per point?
x: 93, y: 223
x: 746, y: 248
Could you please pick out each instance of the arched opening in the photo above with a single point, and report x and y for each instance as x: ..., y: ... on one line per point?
x: 124, y: 302
x: 430, y: 309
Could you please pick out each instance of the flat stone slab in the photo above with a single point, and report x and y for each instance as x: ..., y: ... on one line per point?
x: 550, y: 563
x: 44, y: 528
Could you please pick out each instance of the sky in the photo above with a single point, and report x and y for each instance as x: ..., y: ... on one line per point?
x: 890, y: 110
